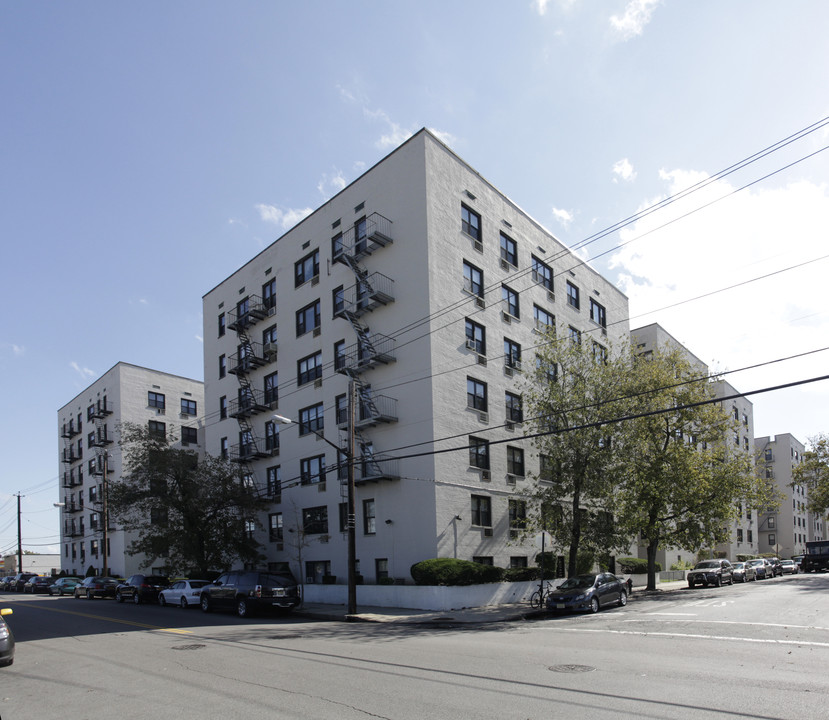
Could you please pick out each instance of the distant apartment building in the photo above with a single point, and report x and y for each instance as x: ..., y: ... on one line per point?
x: 743, y: 537
x: 90, y: 456
x: 786, y: 530
x: 426, y: 290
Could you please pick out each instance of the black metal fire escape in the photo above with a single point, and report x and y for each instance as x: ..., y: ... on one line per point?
x: 370, y: 291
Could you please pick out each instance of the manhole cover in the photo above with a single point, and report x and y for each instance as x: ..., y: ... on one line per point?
x: 572, y: 668
x: 195, y: 646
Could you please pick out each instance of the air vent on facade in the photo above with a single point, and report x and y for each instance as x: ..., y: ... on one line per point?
x: 486, y: 475
x: 481, y: 359
x: 318, y: 383
x: 506, y: 317
x: 480, y: 302
x: 479, y: 246
x: 511, y: 479
x: 484, y: 417
x: 504, y: 265
x: 487, y: 532
x: 317, y: 331
x: 315, y: 280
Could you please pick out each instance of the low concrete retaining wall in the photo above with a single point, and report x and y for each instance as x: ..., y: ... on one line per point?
x: 424, y: 597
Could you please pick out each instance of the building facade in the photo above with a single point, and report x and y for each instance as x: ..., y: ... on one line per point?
x: 90, y: 456
x: 743, y: 535
x: 422, y: 290
x: 786, y: 530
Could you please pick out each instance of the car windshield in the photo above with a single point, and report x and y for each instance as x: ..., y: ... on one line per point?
x: 578, y: 582
x: 755, y: 562
x: 707, y: 564
x: 738, y: 566
x: 198, y: 583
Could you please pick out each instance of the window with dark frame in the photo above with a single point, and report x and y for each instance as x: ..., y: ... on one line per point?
x: 471, y: 222
x: 308, y: 318
x: 512, y: 354
x: 271, y: 388
x: 275, y: 529
x: 312, y: 470
x: 222, y: 366
x: 269, y: 295
x: 271, y: 436
x: 542, y: 273
x: 573, y: 296
x: 509, y: 250
x: 315, y: 520
x: 482, y: 511
x: 510, y: 299
x: 157, y: 430
x: 156, y: 400
x: 188, y: 407
x: 597, y: 313
x: 369, y: 517
x: 307, y: 268
x: 479, y: 453
x: 223, y: 407
x: 189, y: 435
x: 473, y: 279
x: 543, y: 319
x: 514, y: 407
x: 273, y: 479
x: 311, y: 419
x: 476, y: 395
x: 515, y: 461
x: 309, y: 368
x: 222, y: 324
x: 475, y: 337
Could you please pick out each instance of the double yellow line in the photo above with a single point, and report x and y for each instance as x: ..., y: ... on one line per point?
x: 132, y: 623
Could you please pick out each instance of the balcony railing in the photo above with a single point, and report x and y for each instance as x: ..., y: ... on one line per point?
x: 68, y: 430
x: 99, y: 468
x: 376, y: 468
x: 250, y: 404
x: 256, y: 311
x: 378, y: 234
x: 376, y: 290
x: 254, y: 356
x: 249, y: 451
x: 379, y: 409
x: 102, y: 409
x: 360, y: 357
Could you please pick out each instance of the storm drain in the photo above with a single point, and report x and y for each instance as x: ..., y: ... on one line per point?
x: 571, y: 668
x: 194, y: 646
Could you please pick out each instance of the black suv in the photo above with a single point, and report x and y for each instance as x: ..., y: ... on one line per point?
x: 711, y: 572
x: 247, y: 591
x: 19, y: 580
x: 141, y: 588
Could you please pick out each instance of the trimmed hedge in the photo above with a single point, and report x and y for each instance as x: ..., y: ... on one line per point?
x: 450, y: 571
x: 522, y: 574
x: 635, y: 566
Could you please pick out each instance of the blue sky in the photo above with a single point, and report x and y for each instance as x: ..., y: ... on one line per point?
x: 149, y: 149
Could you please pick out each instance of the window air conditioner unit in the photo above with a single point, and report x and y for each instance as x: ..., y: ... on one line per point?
x: 471, y: 344
x: 504, y: 265
x: 508, y: 371
x: 551, y: 296
x: 318, y: 383
x: 487, y: 532
x: 317, y: 331
x: 511, y: 479
x: 160, y: 411
x: 484, y: 417
x: 480, y: 302
x: 315, y: 280
x: 509, y: 425
x: 479, y: 246
x: 481, y: 359
x: 486, y: 475
x: 506, y: 317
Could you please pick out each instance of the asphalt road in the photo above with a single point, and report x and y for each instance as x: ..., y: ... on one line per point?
x: 759, y: 650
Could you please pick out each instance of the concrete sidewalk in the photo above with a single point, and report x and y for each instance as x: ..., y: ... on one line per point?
x: 488, y: 614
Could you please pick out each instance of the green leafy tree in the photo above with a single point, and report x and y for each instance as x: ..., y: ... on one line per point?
x: 813, y: 472
x: 188, y: 512
x: 575, y: 387
x: 684, y: 474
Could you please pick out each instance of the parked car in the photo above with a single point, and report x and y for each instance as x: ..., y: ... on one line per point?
x: 762, y: 567
x: 141, y: 588
x: 789, y: 567
x: 798, y: 560
x: 4, y: 582
x: 6, y: 639
x: 64, y: 586
x: 710, y: 572
x: 98, y: 586
x: 743, y: 572
x: 588, y: 592
x: 182, y: 593
x: 776, y: 568
x: 19, y: 580
x: 249, y: 591
x: 38, y: 583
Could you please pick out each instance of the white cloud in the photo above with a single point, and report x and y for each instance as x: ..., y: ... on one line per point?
x: 540, y: 6
x: 395, y: 136
x: 18, y: 350
x: 744, y: 236
x: 623, y: 170
x: 199, y: 338
x: 444, y: 137
x: 285, y: 219
x: 565, y: 217
x: 330, y: 185
x: 85, y: 373
x: 637, y: 15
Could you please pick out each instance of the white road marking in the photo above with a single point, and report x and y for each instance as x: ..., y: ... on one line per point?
x: 696, y: 636
x: 785, y: 626
x: 659, y: 613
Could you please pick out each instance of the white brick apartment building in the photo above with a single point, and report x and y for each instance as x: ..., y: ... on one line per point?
x: 786, y: 531
x: 424, y: 284
x: 743, y: 537
x: 89, y: 455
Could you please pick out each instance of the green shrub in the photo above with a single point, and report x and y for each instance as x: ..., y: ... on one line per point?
x: 522, y: 574
x: 635, y: 566
x: 385, y: 581
x: 450, y: 571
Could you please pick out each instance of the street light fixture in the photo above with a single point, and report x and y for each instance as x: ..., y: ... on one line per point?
x: 351, y: 525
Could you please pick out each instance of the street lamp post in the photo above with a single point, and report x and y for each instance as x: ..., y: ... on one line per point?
x: 351, y: 524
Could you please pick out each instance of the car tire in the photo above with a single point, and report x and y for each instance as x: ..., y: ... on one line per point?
x: 205, y: 604
x: 89, y: 595
x: 718, y: 581
x: 594, y: 605
x: 690, y: 586
x: 623, y: 598
x: 242, y: 608
x: 182, y: 603
x: 119, y: 597
x: 161, y: 601
x: 136, y: 599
